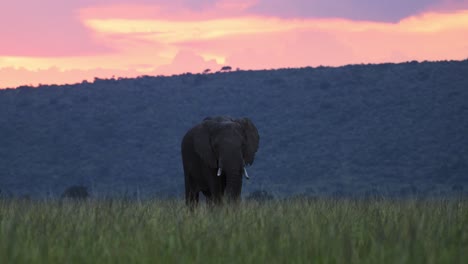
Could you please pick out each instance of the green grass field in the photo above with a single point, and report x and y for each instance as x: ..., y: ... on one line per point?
x: 319, y: 231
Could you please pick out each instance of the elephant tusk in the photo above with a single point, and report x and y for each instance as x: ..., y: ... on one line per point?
x: 246, y: 174
x: 219, y: 172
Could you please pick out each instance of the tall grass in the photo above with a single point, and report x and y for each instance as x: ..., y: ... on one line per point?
x: 319, y: 231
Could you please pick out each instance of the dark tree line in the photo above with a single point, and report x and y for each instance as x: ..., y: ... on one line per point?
x: 385, y: 128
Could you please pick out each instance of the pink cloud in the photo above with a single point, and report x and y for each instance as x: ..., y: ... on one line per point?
x: 44, y: 28
x: 187, y: 61
x: 55, y: 27
x: 277, y: 50
x: 174, y: 10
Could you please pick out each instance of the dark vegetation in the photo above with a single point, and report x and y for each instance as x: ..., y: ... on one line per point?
x: 226, y: 68
x: 76, y: 192
x: 366, y: 130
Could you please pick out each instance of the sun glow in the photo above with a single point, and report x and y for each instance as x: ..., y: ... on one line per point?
x: 166, y: 31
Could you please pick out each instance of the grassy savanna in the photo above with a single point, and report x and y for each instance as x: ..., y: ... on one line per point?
x: 318, y: 231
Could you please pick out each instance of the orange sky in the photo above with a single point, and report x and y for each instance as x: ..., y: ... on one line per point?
x: 129, y: 40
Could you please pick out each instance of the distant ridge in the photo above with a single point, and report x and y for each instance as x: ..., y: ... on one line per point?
x: 391, y: 129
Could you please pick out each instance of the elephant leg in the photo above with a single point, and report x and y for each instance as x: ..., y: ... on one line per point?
x: 216, y: 196
x: 208, y: 196
x: 191, y: 198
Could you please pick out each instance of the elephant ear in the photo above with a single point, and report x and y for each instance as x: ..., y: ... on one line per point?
x: 251, y: 138
x: 202, y: 145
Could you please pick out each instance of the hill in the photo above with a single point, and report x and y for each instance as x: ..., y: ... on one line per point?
x: 358, y: 129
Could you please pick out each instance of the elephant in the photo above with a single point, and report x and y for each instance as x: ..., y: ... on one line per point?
x: 215, y: 153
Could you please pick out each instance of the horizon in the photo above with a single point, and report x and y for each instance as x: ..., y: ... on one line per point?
x: 218, y: 71
x: 91, y: 39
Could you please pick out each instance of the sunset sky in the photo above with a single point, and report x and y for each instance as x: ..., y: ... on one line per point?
x: 57, y: 41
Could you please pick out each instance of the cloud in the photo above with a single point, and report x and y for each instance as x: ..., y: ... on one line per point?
x: 149, y: 37
x: 44, y: 28
x: 184, y: 61
x: 187, y: 61
x: 364, y: 10
x: 180, y: 10
x: 178, y: 31
x: 297, y: 48
x: 448, y: 5
x: 51, y: 28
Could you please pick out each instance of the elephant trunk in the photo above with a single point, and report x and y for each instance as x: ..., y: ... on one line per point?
x: 233, y: 185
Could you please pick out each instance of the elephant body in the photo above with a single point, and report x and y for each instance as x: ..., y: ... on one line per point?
x: 214, y: 155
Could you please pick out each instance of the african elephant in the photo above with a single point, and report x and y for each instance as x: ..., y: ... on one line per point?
x: 214, y: 155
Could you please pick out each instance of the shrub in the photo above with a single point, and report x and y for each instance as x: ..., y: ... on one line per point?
x: 226, y: 68
x: 76, y: 192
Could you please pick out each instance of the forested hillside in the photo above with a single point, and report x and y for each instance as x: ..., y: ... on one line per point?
x: 394, y: 129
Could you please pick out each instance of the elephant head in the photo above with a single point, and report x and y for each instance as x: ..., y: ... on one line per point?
x: 228, y: 145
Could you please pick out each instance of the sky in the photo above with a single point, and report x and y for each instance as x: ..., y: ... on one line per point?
x: 58, y: 42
